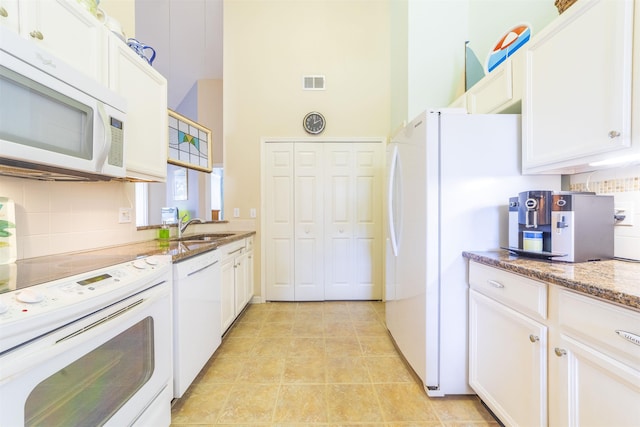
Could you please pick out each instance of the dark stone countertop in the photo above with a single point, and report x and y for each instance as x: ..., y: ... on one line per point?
x: 614, y: 280
x: 33, y: 271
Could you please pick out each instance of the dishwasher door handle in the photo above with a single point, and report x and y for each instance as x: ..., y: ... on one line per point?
x: 191, y: 273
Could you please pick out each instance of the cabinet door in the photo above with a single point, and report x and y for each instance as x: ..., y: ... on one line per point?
x: 227, y: 292
x: 309, y: 230
x: 249, y: 276
x: 146, y: 129
x: 279, y: 222
x: 577, y: 101
x: 240, y: 274
x: 352, y: 221
x: 589, y: 388
x: 68, y: 31
x: 492, y: 92
x: 508, y: 361
x: 9, y: 14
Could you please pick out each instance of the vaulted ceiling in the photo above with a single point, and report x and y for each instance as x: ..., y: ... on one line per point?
x: 187, y: 37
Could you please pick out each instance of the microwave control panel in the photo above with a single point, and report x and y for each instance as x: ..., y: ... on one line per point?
x: 116, y: 154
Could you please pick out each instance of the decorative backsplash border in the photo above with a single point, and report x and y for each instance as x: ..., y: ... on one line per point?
x: 609, y: 186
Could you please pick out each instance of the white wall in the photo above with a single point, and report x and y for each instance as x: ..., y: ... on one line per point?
x: 429, y: 73
x: 437, y: 32
x: 491, y: 19
x: 268, y: 46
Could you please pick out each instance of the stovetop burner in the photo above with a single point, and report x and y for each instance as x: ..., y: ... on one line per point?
x: 34, y: 271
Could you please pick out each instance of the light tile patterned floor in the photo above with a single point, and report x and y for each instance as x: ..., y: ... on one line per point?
x: 316, y: 364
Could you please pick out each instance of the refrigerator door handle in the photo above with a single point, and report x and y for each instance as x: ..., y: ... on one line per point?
x: 390, y: 196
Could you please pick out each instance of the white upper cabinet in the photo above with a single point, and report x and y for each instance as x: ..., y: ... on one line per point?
x: 501, y: 90
x: 65, y: 29
x: 9, y: 14
x: 576, y: 107
x: 146, y: 129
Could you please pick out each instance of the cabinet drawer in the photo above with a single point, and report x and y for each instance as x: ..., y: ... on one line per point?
x: 249, y: 243
x: 233, y: 249
x: 610, y: 328
x: 523, y: 294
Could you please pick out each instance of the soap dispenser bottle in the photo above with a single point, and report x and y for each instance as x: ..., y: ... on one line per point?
x: 164, y: 233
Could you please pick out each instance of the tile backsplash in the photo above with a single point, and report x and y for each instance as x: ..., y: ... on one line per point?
x: 624, y: 185
x: 61, y: 217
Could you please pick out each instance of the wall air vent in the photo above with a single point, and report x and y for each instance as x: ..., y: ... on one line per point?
x: 313, y: 82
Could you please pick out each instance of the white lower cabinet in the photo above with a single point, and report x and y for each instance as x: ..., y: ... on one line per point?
x: 594, y: 363
x: 592, y: 348
x: 237, y: 279
x: 507, y: 349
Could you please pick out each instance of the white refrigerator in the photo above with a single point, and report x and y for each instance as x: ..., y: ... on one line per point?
x: 450, y: 176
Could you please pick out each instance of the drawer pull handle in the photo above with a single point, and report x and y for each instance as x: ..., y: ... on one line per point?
x: 534, y: 338
x: 560, y: 351
x: 495, y: 284
x: 631, y: 337
x: 3, y: 12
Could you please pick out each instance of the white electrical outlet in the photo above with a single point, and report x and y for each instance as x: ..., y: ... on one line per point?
x: 624, y: 211
x: 236, y: 212
x: 124, y: 215
x: 252, y: 212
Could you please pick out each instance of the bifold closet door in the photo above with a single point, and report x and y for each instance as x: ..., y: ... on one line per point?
x: 309, y: 236
x: 323, y: 221
x: 353, y: 221
x: 279, y: 221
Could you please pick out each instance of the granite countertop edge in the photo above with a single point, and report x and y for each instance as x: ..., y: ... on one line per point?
x: 611, y: 280
x: 180, y: 251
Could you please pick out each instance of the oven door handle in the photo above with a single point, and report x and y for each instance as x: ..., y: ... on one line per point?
x: 32, y: 355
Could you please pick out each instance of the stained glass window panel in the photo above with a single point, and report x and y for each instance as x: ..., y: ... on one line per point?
x: 189, y: 143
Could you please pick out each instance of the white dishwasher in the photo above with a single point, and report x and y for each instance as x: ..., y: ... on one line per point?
x: 196, y: 316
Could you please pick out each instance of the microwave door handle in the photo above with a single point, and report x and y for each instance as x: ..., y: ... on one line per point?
x: 106, y: 146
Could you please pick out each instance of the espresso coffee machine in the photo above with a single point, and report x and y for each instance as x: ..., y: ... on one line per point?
x: 533, y: 212
x: 565, y: 226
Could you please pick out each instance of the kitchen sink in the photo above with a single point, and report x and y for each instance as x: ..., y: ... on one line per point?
x: 209, y: 237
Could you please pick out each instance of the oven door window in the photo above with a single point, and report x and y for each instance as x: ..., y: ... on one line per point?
x: 90, y: 390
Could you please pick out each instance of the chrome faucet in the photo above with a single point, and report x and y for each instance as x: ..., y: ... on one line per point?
x: 182, y: 226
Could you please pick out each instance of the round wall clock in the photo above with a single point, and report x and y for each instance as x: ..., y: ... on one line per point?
x: 314, y: 123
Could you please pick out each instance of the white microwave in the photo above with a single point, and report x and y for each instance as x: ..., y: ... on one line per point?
x: 55, y: 122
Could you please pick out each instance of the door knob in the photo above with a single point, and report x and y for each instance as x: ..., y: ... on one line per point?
x: 3, y: 12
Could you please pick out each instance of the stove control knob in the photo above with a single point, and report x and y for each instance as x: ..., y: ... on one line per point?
x: 151, y: 260
x: 3, y: 307
x: 30, y: 296
x: 140, y: 264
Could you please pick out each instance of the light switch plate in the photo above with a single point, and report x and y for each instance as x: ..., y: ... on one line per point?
x: 124, y: 215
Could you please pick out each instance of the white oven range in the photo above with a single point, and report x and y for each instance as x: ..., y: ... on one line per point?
x: 92, y: 349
